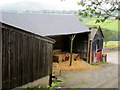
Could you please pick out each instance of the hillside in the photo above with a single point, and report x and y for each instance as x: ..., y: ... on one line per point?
x: 109, y: 24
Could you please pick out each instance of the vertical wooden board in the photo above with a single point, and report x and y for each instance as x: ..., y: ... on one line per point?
x: 34, y: 58
x: 32, y: 67
x: 18, y: 58
x: 1, y: 58
x: 36, y: 55
x: 31, y: 58
x: 12, y: 58
x: 45, y: 63
x: 4, y: 68
x: 43, y: 68
x: 47, y: 56
x: 47, y: 69
x: 24, y: 61
x: 7, y: 60
x: 50, y: 59
x: 15, y: 60
x: 40, y: 49
x: 37, y: 60
x: 38, y: 68
x: 27, y: 60
x: 15, y: 64
x: 16, y: 80
x: 41, y: 59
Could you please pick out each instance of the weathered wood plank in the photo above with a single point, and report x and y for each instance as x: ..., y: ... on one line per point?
x: 25, y: 58
x: 1, y: 58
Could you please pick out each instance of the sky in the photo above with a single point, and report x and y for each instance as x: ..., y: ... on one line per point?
x: 53, y: 4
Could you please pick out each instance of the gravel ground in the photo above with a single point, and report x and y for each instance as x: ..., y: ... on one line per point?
x: 105, y: 77
x: 113, y: 57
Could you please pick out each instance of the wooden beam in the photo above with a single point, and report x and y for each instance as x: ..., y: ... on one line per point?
x: 91, y: 53
x: 0, y: 58
x: 71, y: 48
x: 88, y: 53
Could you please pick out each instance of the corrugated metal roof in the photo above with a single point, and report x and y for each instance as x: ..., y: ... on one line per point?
x: 45, y: 24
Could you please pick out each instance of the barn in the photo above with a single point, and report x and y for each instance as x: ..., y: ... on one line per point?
x: 88, y: 45
x: 60, y: 28
x: 66, y: 30
x: 24, y: 56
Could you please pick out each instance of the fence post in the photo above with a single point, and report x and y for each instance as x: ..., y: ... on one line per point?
x: 50, y: 80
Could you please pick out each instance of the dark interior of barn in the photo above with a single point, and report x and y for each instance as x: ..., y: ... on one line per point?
x: 80, y: 44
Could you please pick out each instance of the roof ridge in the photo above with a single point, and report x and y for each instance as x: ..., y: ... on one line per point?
x: 35, y: 13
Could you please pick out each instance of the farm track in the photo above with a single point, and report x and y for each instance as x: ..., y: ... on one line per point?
x: 105, y: 77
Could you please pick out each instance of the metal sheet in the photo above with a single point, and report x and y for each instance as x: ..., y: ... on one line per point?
x: 45, y: 24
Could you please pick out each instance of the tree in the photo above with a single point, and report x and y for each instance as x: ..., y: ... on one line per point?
x: 94, y: 8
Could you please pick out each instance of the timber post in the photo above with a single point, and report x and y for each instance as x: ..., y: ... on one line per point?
x: 88, y: 53
x: 71, y: 48
x: 50, y: 80
x: 91, y: 53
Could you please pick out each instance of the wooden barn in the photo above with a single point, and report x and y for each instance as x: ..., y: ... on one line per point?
x: 61, y: 28
x: 24, y: 56
x: 66, y: 30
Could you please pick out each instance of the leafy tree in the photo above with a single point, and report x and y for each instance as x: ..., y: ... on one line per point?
x: 102, y: 9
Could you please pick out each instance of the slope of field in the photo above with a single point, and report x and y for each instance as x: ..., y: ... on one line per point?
x: 112, y: 44
x: 110, y: 24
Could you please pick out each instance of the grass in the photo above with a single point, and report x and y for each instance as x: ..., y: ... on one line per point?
x: 112, y: 44
x: 110, y: 24
x: 54, y: 82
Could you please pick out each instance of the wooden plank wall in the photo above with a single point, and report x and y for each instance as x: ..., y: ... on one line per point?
x: 0, y: 58
x: 80, y: 45
x: 62, y: 42
x: 25, y: 58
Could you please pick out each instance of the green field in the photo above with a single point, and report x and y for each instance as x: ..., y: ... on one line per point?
x: 112, y: 43
x: 110, y: 24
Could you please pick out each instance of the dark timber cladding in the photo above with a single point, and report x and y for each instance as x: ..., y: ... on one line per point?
x: 80, y: 43
x: 0, y: 58
x: 26, y: 57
